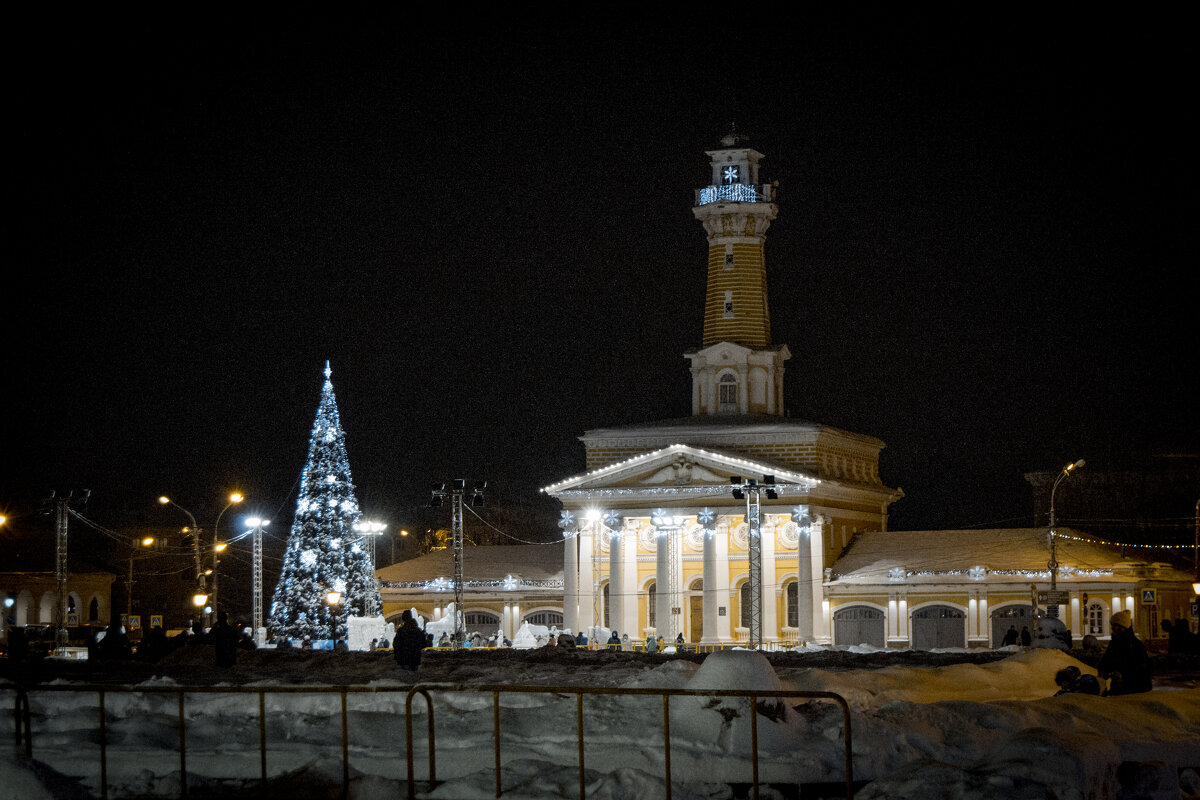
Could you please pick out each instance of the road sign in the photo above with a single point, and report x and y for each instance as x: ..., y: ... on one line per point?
x: 1054, y: 598
x: 156, y: 620
x: 1148, y: 597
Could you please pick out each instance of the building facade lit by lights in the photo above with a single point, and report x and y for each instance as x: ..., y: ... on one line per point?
x: 657, y: 543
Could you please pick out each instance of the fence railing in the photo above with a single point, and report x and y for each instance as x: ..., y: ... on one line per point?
x: 496, y: 690
x: 24, y: 733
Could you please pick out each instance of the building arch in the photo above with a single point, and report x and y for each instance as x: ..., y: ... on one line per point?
x: 1096, y: 616
x: 96, y: 610
x: 860, y: 623
x: 937, y: 626
x: 46, y: 608
x: 1016, y: 614
x: 548, y: 616
x: 485, y: 621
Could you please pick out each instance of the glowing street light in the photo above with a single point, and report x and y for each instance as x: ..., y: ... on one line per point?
x: 1052, y: 607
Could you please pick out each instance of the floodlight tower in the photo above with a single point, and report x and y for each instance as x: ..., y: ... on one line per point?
x: 749, y: 491
x: 62, y: 511
x: 457, y: 488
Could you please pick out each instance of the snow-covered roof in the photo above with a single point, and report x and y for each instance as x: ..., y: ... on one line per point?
x: 1013, y: 553
x: 527, y: 562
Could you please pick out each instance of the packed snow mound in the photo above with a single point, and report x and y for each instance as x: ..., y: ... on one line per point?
x: 736, y: 669
x: 1028, y: 675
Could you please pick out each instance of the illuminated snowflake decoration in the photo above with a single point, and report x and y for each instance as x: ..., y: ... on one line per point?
x: 799, y: 514
x: 1066, y: 572
x: 339, y: 585
x: 331, y: 478
x: 567, y: 521
x: 438, y: 585
x: 613, y: 521
x: 509, y: 583
x: 896, y: 574
x: 707, y: 518
x: 335, y: 543
x: 977, y: 573
x: 308, y: 558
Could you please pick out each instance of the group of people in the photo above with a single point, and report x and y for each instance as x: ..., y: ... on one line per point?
x: 1124, y: 666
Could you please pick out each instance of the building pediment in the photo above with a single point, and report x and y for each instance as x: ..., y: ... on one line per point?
x: 680, y: 466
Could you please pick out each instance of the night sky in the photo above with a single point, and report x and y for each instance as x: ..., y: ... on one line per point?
x: 979, y: 256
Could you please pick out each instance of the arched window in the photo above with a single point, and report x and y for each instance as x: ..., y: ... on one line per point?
x: 550, y: 619
x: 727, y: 394
x: 604, y: 605
x: 1095, y: 620
x: 651, y: 602
x: 792, y: 596
x: 744, y: 602
x: 94, y: 609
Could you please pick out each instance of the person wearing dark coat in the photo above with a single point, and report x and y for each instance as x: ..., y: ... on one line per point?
x: 614, y: 641
x: 224, y: 638
x: 409, y: 642
x: 1124, y: 663
x: 566, y: 640
x: 1071, y: 681
x: 115, y: 644
x: 1026, y: 637
x: 1010, y: 638
x: 1180, y: 638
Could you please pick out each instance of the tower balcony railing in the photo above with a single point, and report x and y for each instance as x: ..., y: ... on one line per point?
x: 734, y: 192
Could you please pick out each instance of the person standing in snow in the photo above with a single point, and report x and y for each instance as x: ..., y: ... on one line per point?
x: 1026, y: 636
x: 614, y: 641
x: 1124, y: 663
x: 409, y: 642
x: 1010, y: 638
x: 224, y: 639
x: 651, y: 644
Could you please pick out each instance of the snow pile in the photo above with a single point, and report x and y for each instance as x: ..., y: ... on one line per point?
x: 964, y: 730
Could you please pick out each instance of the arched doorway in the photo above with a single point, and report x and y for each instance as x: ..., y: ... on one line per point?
x: 859, y: 625
x: 484, y: 622
x: 1017, y: 616
x: 696, y: 610
x: 935, y: 627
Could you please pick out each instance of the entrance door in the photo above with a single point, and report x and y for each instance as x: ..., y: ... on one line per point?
x: 936, y: 627
x: 858, y: 625
x: 1017, y: 616
x: 697, y: 614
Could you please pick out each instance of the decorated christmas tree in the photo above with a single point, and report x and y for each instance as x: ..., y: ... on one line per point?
x: 324, y: 553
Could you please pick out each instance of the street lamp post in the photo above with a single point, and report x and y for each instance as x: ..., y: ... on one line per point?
x: 1052, y: 607
x: 333, y: 598
x: 201, y: 589
x: 218, y: 546
x: 750, y: 490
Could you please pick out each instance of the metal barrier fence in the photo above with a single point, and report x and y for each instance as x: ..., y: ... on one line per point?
x: 579, y: 691
x: 23, y: 727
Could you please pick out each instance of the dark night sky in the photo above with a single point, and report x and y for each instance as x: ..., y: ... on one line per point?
x: 978, y: 259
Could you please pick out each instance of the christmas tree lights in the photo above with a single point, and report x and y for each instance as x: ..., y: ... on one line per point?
x: 324, y: 553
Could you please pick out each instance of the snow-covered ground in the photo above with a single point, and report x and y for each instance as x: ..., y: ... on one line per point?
x: 969, y: 730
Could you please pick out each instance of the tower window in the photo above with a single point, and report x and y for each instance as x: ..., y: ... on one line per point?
x: 727, y: 394
x: 728, y: 256
x: 729, y: 303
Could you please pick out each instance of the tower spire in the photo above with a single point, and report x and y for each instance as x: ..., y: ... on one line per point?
x: 737, y: 370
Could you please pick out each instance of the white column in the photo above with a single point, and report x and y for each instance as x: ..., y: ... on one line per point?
x: 629, y: 623
x: 804, y: 584
x: 722, y: 630
x: 711, y: 600
x: 585, y: 590
x: 570, y: 580
x: 770, y: 591
x: 816, y: 569
x: 616, y: 579
x: 985, y: 619
x: 902, y: 617
x: 506, y: 621
x: 516, y: 620
x: 1076, y: 623
x: 662, y: 580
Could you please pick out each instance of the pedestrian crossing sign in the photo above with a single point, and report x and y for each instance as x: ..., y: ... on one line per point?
x: 1148, y: 597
